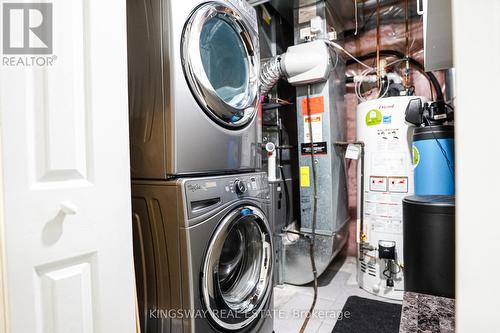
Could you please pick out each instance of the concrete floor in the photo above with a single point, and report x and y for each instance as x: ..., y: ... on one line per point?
x: 335, y: 286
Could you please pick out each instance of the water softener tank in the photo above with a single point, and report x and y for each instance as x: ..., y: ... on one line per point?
x: 433, y: 158
x: 429, y: 245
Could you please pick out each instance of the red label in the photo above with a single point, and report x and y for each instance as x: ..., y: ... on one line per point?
x: 316, y: 105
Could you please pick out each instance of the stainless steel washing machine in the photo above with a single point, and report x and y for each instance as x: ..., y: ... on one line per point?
x: 203, y: 254
x: 193, y: 87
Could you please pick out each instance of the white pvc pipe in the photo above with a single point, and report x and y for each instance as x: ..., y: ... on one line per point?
x: 271, y: 161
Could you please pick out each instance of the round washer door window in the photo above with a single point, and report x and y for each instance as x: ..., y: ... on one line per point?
x: 221, y: 65
x: 237, y: 270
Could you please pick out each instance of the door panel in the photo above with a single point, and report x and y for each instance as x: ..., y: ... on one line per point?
x: 61, y: 152
x: 67, y: 295
x: 66, y: 177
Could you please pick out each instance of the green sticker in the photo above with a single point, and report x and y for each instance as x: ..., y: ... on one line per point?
x: 373, y: 117
x: 416, y: 156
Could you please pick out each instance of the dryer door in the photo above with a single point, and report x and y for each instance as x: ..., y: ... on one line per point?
x: 237, y: 269
x: 221, y: 64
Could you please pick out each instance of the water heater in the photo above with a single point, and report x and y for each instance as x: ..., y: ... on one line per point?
x: 388, y: 178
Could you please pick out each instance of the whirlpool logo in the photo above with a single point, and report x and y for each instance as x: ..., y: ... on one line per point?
x: 27, y: 34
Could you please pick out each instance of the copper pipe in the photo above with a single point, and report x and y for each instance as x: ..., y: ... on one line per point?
x: 378, y: 44
x: 407, y: 36
x: 407, y: 33
x: 356, y: 16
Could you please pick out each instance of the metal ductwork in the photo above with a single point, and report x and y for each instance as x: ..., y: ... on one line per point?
x: 271, y: 72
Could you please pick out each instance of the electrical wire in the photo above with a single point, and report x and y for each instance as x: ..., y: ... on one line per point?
x: 357, y: 85
x: 282, y: 173
x: 335, y: 45
x: 388, y: 268
x: 287, y: 195
x: 336, y: 57
x: 367, y: 71
x: 429, y: 75
x: 314, y: 218
x: 394, y: 62
x: 388, y: 84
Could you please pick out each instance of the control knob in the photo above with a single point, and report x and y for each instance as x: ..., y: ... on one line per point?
x: 240, y: 187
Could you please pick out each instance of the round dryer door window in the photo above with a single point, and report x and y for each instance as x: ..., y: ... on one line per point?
x: 237, y: 270
x: 221, y: 64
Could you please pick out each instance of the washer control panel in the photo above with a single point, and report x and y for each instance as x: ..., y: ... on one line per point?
x: 204, y: 194
x: 244, y: 185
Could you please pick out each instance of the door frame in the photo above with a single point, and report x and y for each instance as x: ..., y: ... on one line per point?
x: 4, y: 326
x: 477, y: 160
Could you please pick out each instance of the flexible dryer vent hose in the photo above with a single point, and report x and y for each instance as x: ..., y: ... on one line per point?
x: 270, y: 74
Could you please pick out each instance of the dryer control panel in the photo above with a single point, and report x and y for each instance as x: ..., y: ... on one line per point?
x: 205, y: 194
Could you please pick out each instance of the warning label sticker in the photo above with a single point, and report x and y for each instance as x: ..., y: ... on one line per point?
x: 316, y: 124
x: 320, y: 148
x: 305, y: 177
x: 398, y: 184
x: 378, y: 184
x: 389, y: 226
x: 316, y: 105
x: 385, y: 210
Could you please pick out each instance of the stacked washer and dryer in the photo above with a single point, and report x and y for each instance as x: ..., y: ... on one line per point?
x: 202, y: 243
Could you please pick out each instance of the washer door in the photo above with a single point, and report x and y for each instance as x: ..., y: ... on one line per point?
x: 237, y: 270
x: 221, y: 64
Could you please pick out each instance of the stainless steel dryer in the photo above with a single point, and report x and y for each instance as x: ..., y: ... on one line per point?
x: 193, y: 87
x: 203, y: 254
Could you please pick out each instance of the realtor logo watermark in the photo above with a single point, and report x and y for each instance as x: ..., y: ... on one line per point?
x: 27, y: 34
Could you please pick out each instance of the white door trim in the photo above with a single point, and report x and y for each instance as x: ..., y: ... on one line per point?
x: 4, y: 325
x: 477, y: 150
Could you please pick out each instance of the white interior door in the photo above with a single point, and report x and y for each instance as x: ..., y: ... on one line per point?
x: 68, y: 240
x: 477, y: 151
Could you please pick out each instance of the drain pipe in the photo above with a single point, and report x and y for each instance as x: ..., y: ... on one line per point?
x: 271, y: 161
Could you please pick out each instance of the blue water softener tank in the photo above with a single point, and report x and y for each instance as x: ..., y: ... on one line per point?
x: 433, y: 158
